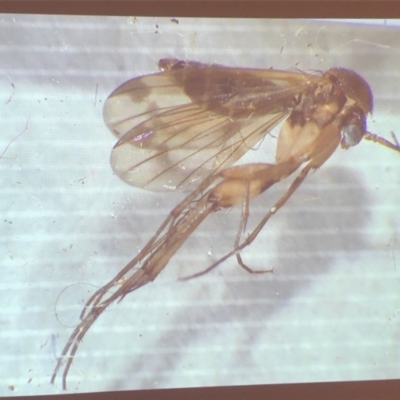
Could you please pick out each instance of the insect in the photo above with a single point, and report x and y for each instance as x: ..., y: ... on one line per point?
x: 184, y: 127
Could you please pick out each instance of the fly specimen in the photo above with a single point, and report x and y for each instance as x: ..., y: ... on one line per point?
x: 184, y: 127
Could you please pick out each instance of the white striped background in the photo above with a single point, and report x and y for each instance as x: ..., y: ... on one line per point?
x: 330, y: 311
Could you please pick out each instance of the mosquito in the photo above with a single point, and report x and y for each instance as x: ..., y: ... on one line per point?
x: 182, y: 129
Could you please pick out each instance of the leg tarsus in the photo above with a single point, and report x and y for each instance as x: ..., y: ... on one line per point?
x: 250, y: 270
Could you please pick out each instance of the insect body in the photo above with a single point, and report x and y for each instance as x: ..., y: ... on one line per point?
x: 184, y: 127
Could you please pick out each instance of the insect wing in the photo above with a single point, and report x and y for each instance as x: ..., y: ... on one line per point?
x: 178, y: 126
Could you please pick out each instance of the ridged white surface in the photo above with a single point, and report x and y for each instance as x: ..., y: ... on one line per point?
x: 330, y: 310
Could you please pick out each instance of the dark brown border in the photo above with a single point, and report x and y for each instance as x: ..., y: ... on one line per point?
x: 368, y: 390
x: 207, y: 8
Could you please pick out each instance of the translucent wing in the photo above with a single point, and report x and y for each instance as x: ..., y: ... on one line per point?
x: 177, y: 126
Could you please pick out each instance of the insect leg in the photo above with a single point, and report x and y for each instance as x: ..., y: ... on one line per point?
x: 242, y: 227
x: 384, y: 142
x: 240, y: 246
x: 153, y: 259
x: 180, y: 217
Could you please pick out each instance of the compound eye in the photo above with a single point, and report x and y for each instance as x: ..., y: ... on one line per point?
x: 351, y: 135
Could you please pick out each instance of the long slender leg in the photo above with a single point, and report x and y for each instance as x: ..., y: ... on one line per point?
x: 293, y: 187
x: 154, y: 257
x: 178, y: 226
x: 242, y: 227
x: 384, y: 142
x: 313, y: 164
x: 170, y: 224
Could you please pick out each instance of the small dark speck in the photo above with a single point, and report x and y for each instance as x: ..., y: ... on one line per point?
x: 175, y: 20
x: 11, y: 387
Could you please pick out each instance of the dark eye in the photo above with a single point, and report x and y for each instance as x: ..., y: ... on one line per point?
x: 351, y: 135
